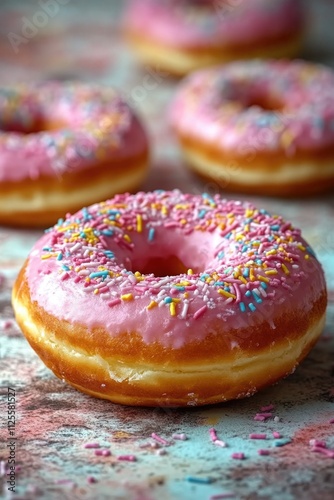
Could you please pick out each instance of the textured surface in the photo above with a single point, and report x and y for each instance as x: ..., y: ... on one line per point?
x: 54, y: 422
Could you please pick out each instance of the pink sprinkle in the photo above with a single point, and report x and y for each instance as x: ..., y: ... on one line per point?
x: 218, y: 442
x: 91, y: 480
x: 258, y: 436
x: 180, y: 437
x: 200, y: 311
x: 276, y: 435
x: 213, y: 434
x: 267, y: 408
x: 263, y: 452
x: 114, y: 302
x: 103, y: 453
x: 64, y: 276
x: 159, y: 439
x: 127, y: 458
x: 7, y: 324
x: 317, y: 442
x: 324, y: 451
x: 262, y: 416
x: 238, y: 456
x: 92, y: 445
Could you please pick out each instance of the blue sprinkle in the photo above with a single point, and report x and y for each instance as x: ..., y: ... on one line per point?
x: 282, y: 442
x: 83, y: 235
x: 319, y: 123
x: 201, y: 213
x: 59, y: 256
x: 107, y: 232
x: 109, y: 254
x: 242, y: 307
x: 180, y: 288
x: 275, y: 227
x: 65, y: 268
x: 86, y: 214
x: 200, y: 480
x: 151, y: 234
x: 245, y: 272
x: 245, y: 248
x: 221, y: 254
x: 311, y: 251
x: 99, y: 274
x: 219, y: 283
x: 257, y: 297
x: 228, y: 270
x: 60, y: 222
x: 264, y: 285
x: 259, y: 261
x: 248, y: 293
x: 204, y: 276
x: 47, y: 249
x: 168, y: 300
x: 252, y: 307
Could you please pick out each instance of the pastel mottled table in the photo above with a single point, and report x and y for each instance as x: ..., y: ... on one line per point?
x: 68, y: 445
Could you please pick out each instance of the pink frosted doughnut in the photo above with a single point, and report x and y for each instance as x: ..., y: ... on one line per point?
x: 264, y: 127
x: 65, y: 145
x: 181, y: 36
x: 172, y: 299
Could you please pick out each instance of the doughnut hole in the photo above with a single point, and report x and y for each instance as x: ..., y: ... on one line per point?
x: 170, y: 255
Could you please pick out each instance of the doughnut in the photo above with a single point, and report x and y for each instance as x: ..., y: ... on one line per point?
x: 171, y: 299
x: 182, y: 36
x: 259, y: 127
x: 63, y: 146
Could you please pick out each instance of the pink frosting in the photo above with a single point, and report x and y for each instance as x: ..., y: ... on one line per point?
x: 207, y: 22
x: 220, y: 105
x: 247, y: 267
x: 92, y: 123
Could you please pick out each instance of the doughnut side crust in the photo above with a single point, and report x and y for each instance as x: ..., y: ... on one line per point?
x: 124, y: 369
x: 276, y: 175
x: 42, y: 201
x: 182, y: 60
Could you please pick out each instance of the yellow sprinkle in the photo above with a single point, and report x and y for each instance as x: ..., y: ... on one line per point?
x: 307, y: 256
x: 251, y: 274
x: 263, y: 278
x: 152, y: 304
x: 181, y: 207
x: 226, y: 294
x: 176, y: 301
x: 271, y: 252
x: 47, y: 256
x: 287, y: 139
x: 127, y: 238
x: 301, y: 247
x: 249, y: 212
x: 190, y: 271
x: 186, y: 295
x: 96, y: 291
x: 285, y: 269
x: 172, y: 309
x: 127, y: 296
x: 139, y: 223
x: 137, y: 274
x: 271, y: 271
x: 242, y: 279
x: 164, y: 210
